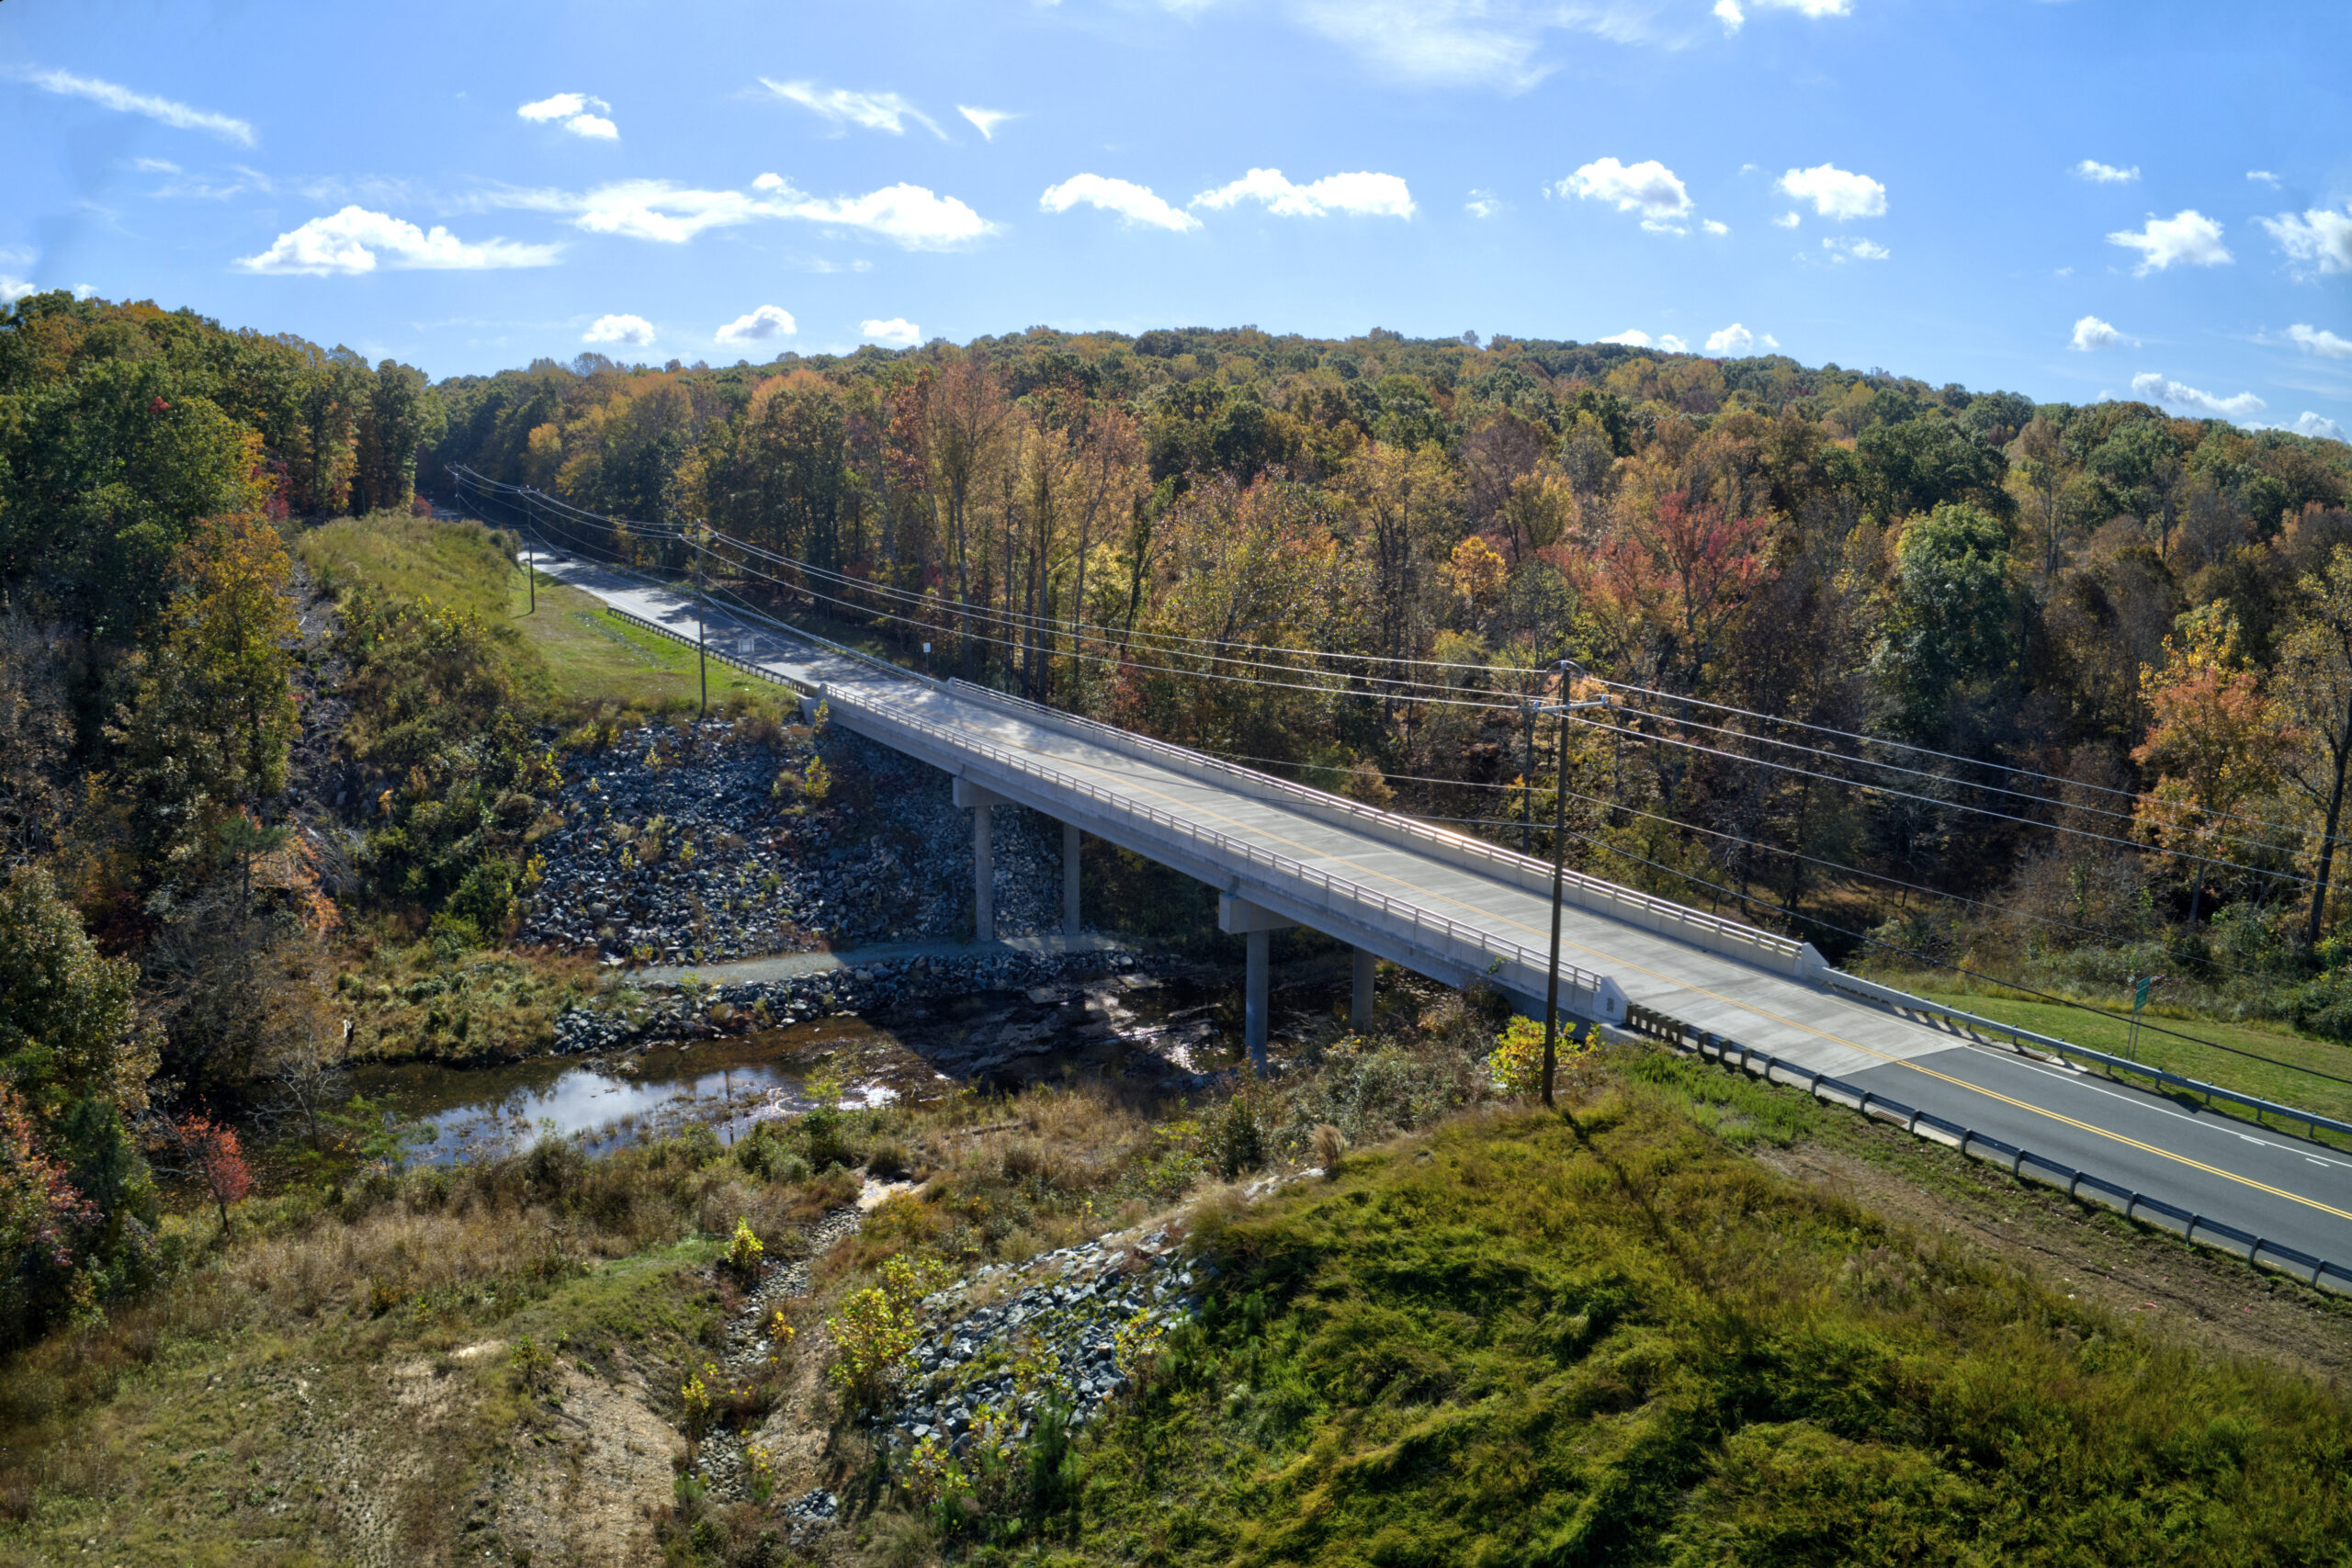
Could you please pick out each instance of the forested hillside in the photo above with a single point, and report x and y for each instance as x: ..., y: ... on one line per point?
x: 1928, y: 675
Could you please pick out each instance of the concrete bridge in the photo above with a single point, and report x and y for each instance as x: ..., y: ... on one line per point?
x: 1462, y: 911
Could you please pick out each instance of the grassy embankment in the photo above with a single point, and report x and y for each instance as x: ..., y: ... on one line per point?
x: 1496, y: 1337
x: 572, y: 652
x: 1524, y: 1340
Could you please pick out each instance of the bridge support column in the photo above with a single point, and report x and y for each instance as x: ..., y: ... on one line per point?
x: 983, y: 857
x: 1359, y: 1005
x: 1243, y: 918
x: 1069, y: 879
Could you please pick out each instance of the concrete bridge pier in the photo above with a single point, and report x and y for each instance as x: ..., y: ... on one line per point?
x: 1257, y: 924
x: 968, y: 794
x: 1360, y: 1004
x: 1069, y: 879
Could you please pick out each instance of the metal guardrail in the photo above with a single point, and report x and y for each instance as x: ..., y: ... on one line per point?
x: 2258, y: 1250
x: 774, y: 677
x: 1464, y: 946
x: 1871, y: 990
x: 1716, y: 934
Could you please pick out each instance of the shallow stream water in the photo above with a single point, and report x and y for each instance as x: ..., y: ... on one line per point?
x: 1172, y: 1033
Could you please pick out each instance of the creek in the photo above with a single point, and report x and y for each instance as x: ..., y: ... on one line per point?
x: 1173, y: 1033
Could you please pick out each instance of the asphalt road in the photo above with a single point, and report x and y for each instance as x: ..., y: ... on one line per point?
x: 2280, y: 1186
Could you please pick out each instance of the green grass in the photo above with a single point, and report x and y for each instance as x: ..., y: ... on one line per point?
x: 1510, y: 1343
x: 2110, y: 1032
x: 569, y: 648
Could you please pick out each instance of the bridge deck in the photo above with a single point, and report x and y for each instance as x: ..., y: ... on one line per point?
x: 2285, y: 1189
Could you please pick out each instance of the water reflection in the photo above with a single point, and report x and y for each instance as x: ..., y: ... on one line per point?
x: 477, y: 1113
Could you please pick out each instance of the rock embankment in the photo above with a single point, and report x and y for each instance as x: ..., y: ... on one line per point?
x: 1013, y: 1335
x: 699, y: 846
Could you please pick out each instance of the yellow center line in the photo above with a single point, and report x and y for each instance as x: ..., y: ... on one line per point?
x: 1613, y: 961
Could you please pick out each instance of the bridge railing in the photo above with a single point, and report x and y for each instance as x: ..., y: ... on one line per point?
x: 1462, y: 946
x: 1782, y: 954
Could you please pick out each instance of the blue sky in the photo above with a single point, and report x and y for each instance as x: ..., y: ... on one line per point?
x: 2102, y: 197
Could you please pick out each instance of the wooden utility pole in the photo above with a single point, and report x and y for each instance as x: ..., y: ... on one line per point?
x: 1567, y: 705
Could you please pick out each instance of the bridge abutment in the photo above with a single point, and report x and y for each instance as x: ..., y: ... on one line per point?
x: 1069, y: 879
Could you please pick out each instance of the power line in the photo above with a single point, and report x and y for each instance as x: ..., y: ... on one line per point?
x: 1924, y: 774
x: 1927, y: 800
x: 1931, y: 751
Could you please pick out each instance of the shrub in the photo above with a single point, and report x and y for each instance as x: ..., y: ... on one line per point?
x: 1517, y: 1062
x: 744, y: 1252
x: 1233, y: 1136
x: 877, y: 1329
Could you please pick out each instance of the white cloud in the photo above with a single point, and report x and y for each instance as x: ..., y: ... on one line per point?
x: 1853, y: 247
x: 1648, y: 187
x: 909, y: 215
x: 2263, y: 177
x: 1835, y: 192
x: 2100, y: 174
x: 1633, y: 337
x: 123, y: 100
x: 985, y: 122
x: 1442, y: 42
x: 895, y: 332
x: 1787, y: 220
x: 1482, y: 204
x: 1728, y: 12
x: 634, y: 331
x: 2189, y: 237
x: 15, y: 288
x: 562, y: 105
x: 2092, y: 334
x: 356, y: 241
x: 2157, y: 388
x: 2316, y: 425
x: 868, y: 111
x: 1711, y: 227
x: 155, y: 165
x: 1133, y: 203
x: 1737, y: 339
x: 758, y: 326
x: 572, y: 111
x: 2319, y: 238
x: 2318, y: 340
x: 1363, y: 194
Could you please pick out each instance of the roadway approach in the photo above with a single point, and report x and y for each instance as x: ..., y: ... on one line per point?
x: 1461, y: 911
